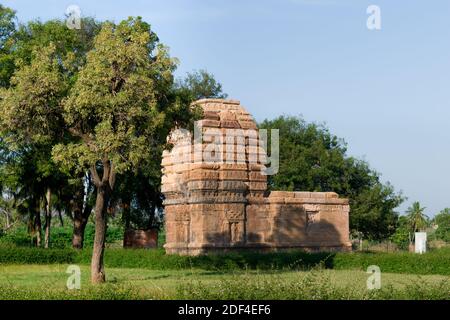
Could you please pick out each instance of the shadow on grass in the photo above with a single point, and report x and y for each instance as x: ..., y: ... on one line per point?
x: 433, y: 262
x: 264, y: 261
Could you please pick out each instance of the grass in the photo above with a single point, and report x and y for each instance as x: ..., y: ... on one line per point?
x: 49, y: 282
x: 30, y: 273
x: 433, y: 262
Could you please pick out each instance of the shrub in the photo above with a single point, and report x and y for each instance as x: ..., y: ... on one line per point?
x: 17, y: 236
x: 401, y: 237
x: 442, y: 221
x: 22, y: 255
x: 433, y: 262
x: 60, y: 237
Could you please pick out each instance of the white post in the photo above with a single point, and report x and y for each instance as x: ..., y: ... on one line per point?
x: 421, y: 242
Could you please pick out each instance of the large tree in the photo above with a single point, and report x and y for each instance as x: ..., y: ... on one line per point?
x: 31, y: 122
x: 199, y: 85
x: 47, y: 57
x: 117, y: 111
x: 8, y: 25
x: 417, y: 218
x: 313, y: 159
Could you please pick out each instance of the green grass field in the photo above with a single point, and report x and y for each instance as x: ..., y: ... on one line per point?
x: 49, y: 282
x: 30, y: 273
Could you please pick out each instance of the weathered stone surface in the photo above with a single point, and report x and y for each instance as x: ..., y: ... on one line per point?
x: 140, y: 238
x: 216, y: 196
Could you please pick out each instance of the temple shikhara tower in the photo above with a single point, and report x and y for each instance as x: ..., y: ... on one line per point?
x: 216, y: 198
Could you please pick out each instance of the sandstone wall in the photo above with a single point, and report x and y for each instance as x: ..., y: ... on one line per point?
x: 216, y: 198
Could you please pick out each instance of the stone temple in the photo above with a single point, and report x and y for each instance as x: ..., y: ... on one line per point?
x: 222, y: 203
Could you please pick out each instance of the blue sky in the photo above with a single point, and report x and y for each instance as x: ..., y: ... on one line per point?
x: 386, y: 92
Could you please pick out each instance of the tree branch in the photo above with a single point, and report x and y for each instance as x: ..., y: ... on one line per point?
x: 112, y: 176
x: 95, y: 176
x: 106, y: 171
x: 85, y: 137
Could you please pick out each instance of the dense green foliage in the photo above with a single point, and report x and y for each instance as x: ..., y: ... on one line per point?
x: 433, y: 262
x: 44, y: 61
x: 414, y: 221
x: 8, y: 26
x: 402, y: 235
x: 416, y: 217
x: 313, y: 159
x: 199, y: 85
x: 442, y: 221
x: 61, y: 236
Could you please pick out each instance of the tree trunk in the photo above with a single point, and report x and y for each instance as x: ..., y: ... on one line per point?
x: 104, y: 186
x: 61, y: 221
x: 81, y: 212
x: 80, y: 219
x: 97, y: 266
x: 126, y: 203
x: 48, y: 217
x: 79, y: 226
x: 37, y: 223
x: 38, y: 228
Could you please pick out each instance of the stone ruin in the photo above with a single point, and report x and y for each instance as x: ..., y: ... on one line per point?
x: 222, y: 203
x: 142, y: 239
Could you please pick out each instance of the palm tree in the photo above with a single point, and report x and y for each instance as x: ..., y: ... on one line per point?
x: 417, y: 219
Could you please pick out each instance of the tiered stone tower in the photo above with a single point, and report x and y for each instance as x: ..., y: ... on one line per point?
x: 216, y: 198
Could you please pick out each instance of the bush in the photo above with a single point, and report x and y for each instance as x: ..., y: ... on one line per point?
x: 23, y: 255
x: 433, y: 262
x: 18, y: 237
x: 156, y: 259
x: 401, y: 237
x: 442, y: 221
x: 60, y: 237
